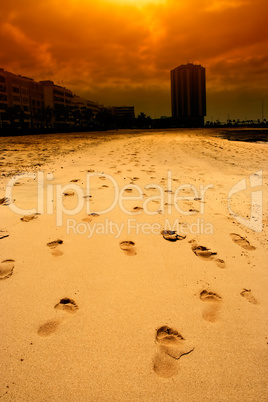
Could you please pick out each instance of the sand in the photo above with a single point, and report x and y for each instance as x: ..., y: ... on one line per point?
x: 120, y: 306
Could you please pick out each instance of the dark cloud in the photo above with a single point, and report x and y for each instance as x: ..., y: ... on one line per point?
x: 121, y: 53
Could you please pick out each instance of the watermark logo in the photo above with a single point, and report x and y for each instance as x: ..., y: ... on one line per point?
x: 50, y: 197
x: 132, y: 226
x: 171, y: 200
x: 254, y: 222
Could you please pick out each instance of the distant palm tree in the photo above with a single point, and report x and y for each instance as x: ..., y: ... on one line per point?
x: 143, y: 121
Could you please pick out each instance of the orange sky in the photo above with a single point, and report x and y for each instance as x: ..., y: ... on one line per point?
x: 120, y: 52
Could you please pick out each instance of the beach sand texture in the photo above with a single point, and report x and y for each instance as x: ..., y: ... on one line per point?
x: 89, y: 314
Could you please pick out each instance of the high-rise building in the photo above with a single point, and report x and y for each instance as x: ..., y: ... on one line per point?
x: 188, y: 95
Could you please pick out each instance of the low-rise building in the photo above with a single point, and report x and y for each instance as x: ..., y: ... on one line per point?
x: 25, y: 103
x: 58, y: 103
x: 123, y: 112
x: 84, y: 111
x: 21, y: 100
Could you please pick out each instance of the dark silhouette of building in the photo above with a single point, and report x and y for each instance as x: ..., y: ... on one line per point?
x: 27, y: 104
x: 21, y: 100
x: 124, y: 115
x: 188, y: 95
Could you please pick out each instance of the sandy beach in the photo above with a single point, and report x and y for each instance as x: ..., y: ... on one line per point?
x: 133, y: 267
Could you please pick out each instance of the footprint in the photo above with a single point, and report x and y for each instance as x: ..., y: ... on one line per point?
x: 171, y: 235
x: 28, y: 218
x: 164, y: 366
x: 68, y: 193
x: 128, y: 247
x: 48, y: 328
x: 67, y: 305
x: 201, y: 251
x: 57, y: 253
x: 6, y: 269
x: 246, y: 293
x: 87, y: 219
x: 169, y: 191
x: 90, y: 216
x: 137, y: 209
x: 5, y: 201
x: 53, y: 244
x: 220, y: 262
x: 51, y: 326
x: 206, y: 254
x: 171, y: 342
x: 170, y: 347
x: 210, y: 313
x: 242, y: 241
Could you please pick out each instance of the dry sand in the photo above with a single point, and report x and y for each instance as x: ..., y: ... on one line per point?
x: 139, y: 316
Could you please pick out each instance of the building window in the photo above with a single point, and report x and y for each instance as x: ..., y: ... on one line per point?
x: 16, y: 90
x: 25, y: 92
x: 16, y: 99
x: 2, y: 79
x: 3, y: 88
x: 55, y: 92
x: 58, y: 99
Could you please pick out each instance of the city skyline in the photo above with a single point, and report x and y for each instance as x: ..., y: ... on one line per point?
x: 121, y: 52
x: 188, y: 94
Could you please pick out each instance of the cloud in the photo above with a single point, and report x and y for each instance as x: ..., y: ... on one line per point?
x: 220, y: 5
x: 116, y: 51
x: 21, y: 51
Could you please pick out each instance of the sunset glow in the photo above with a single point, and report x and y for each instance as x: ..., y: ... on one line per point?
x: 121, y: 52
x: 138, y: 3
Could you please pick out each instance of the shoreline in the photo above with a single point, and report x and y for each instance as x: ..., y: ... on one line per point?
x: 247, y: 134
